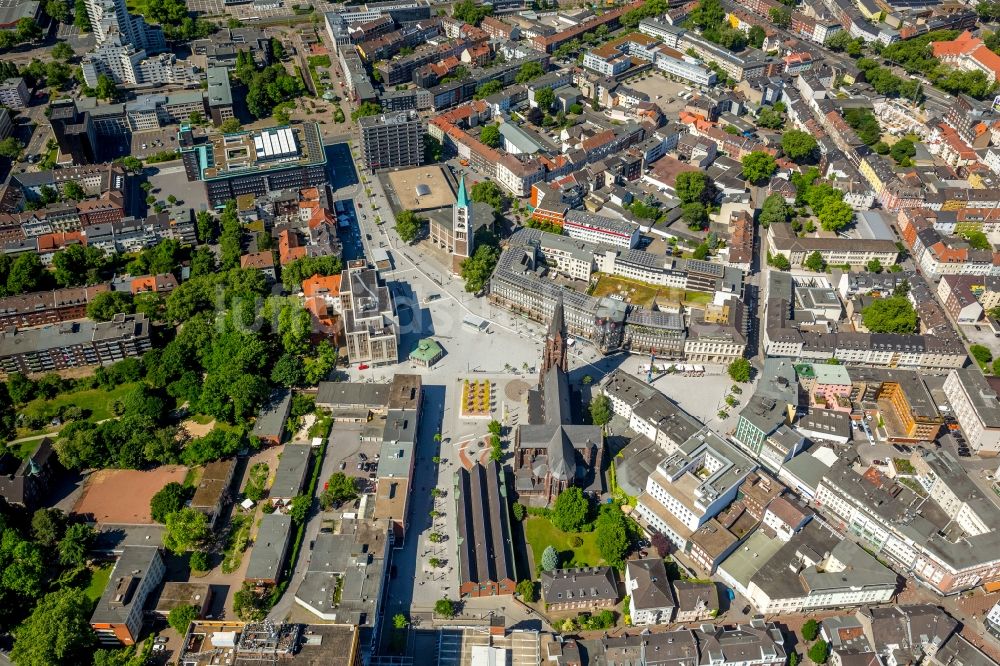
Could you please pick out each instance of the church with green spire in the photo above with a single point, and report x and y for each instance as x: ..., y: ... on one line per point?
x: 462, y: 229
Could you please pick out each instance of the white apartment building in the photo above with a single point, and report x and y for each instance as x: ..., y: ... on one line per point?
x: 14, y: 93
x: 693, y: 485
x: 976, y: 408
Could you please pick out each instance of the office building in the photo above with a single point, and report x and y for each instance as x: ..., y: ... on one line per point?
x: 392, y: 140
x: 370, y: 323
x: 219, y: 97
x: 976, y: 408
x: 258, y: 162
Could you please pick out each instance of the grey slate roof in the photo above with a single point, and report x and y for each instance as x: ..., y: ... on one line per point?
x: 583, y: 584
x: 269, y: 547
x: 653, y: 591
x: 292, y: 470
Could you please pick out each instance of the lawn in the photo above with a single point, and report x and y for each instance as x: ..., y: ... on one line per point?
x: 698, y: 297
x: 24, y: 449
x: 635, y: 292
x: 95, y: 403
x: 98, y: 581
x: 239, y: 538
x: 541, y: 533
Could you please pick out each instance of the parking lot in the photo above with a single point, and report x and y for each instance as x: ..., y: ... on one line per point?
x: 354, y: 450
x: 662, y: 91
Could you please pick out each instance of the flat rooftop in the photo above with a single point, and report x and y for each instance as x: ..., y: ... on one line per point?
x: 268, y: 149
x: 422, y: 188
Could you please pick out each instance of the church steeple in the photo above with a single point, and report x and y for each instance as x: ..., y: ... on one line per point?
x: 462, y: 228
x: 555, y: 354
x: 463, y: 199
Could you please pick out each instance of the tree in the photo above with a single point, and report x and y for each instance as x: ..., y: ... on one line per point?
x: 780, y: 17
x: 47, y: 526
x: 180, y: 617
x: 300, y: 506
x: 477, y: 269
x: 74, y: 545
x: 756, y: 36
x: 701, y: 252
x: 107, y: 304
x: 169, y: 499
x: 550, y: 559
x: 982, y: 354
x: 339, y: 488
x: 774, y: 210
x: 282, y: 116
x: 571, y: 509
x: 486, y: 191
x: 874, y: 266
x: 758, y: 167
x: 526, y: 590
x: 819, y: 652
x: 815, y: 262
x: 799, y: 146
x: 810, y: 630
x: 545, y: 98
x: 131, y: 164
x: 230, y: 126
x: 519, y: 511
x: 890, y: 315
x: 834, y: 214
x: 366, y: 109
x: 57, y: 631
x: 399, y: 621
x: 528, y: 71
x: 408, y: 226
x: 600, y: 410
x: 489, y: 88
x: 106, y: 88
x: 612, y: 535
x: 739, y: 370
x: 902, y: 151
x: 691, y: 186
x: 10, y: 148
x: 490, y: 136
x: 186, y: 530
x: 445, y: 608
x: 199, y: 561
x: 695, y: 215
x: 80, y: 18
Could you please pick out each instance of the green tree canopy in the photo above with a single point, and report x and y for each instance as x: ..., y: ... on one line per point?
x: 758, y: 167
x: 477, y: 269
x: 571, y: 510
x: 339, y: 488
x: 528, y: 71
x: 819, y: 652
x: 612, y: 535
x: 445, y: 608
x: 107, y: 304
x: 180, y: 617
x: 815, y: 262
x: 490, y: 136
x: 74, y: 545
x: 408, y: 225
x: 799, y: 146
x: 526, y: 590
x: 739, y: 370
x: 545, y: 98
x: 691, y: 186
x: 550, y: 559
x: 57, y: 631
x: 774, y: 210
x: 810, y: 630
x: 600, y: 410
x: 890, y: 315
x: 186, y: 530
x: 169, y: 499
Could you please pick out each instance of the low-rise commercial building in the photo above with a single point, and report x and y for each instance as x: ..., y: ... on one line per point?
x: 486, y: 555
x: 270, y: 548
